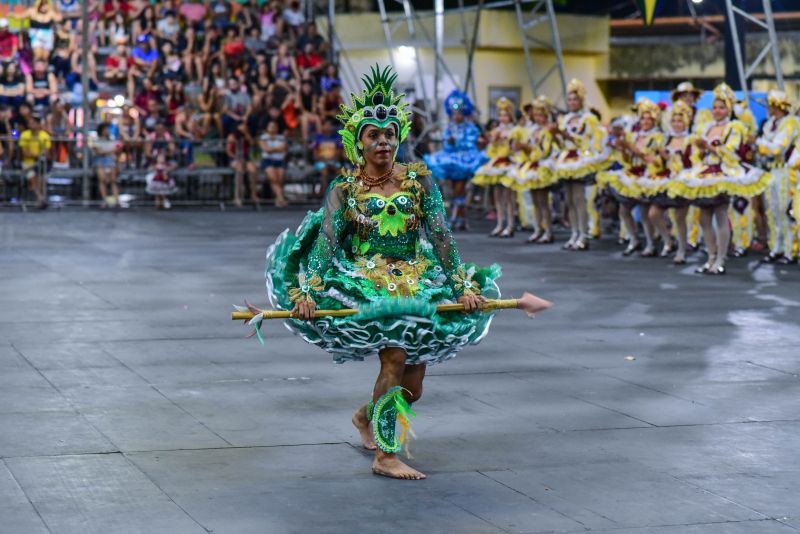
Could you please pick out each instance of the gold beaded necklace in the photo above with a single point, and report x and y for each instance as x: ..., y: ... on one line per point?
x: 369, y: 181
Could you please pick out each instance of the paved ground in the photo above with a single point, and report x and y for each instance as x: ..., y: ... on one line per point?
x: 130, y: 403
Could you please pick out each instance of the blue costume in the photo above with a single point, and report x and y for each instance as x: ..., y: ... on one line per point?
x: 460, y: 159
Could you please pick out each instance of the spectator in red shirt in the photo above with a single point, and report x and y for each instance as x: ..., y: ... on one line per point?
x: 117, y: 65
x: 232, y: 50
x: 310, y: 62
x: 148, y: 103
x: 9, y: 46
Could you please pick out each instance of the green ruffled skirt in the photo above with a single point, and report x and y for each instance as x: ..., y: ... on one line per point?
x: 407, y: 322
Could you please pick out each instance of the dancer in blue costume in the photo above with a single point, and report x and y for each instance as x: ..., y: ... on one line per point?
x: 460, y: 157
x: 365, y: 249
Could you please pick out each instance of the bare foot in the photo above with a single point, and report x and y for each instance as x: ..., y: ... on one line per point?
x: 388, y: 465
x: 364, y: 428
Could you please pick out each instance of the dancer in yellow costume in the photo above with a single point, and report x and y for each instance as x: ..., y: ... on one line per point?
x: 640, y: 159
x: 775, y: 148
x: 676, y: 156
x: 519, y: 156
x: 794, y: 167
x: 536, y: 173
x: 582, y: 154
x: 489, y: 175
x: 700, y: 118
x: 719, y: 175
x: 745, y: 213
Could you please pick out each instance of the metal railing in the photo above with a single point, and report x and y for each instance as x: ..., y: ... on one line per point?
x: 206, y: 172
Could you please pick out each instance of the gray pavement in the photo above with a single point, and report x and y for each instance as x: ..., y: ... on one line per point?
x: 130, y: 403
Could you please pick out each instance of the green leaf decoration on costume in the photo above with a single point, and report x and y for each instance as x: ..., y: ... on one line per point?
x: 391, y: 224
x: 360, y: 247
x: 349, y: 144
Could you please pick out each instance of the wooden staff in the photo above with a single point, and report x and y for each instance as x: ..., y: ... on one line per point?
x: 528, y: 303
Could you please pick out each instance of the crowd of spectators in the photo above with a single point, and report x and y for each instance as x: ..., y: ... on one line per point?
x: 254, y: 75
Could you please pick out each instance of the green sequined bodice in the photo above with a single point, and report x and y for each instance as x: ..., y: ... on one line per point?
x: 362, y: 224
x: 383, y: 225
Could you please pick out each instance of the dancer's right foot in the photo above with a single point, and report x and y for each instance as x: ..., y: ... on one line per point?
x: 388, y: 465
x: 535, y: 236
x: 364, y: 428
x: 496, y: 231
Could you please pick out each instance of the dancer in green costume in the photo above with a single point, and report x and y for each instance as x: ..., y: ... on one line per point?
x: 365, y: 249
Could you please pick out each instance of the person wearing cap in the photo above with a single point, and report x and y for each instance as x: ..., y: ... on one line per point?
x: 9, y: 45
x: 774, y: 149
x: 688, y: 93
x: 35, y: 144
x: 145, y: 62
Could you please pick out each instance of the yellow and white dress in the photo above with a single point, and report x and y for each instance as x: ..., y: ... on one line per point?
x: 536, y: 169
x: 584, y: 152
x: 719, y: 175
x: 740, y: 211
x: 625, y: 183
x: 775, y: 149
x: 499, y: 151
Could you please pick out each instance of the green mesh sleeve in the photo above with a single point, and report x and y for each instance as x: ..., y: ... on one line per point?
x: 330, y: 235
x: 438, y: 233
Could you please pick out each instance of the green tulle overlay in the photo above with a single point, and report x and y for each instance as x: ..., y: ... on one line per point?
x: 383, y: 321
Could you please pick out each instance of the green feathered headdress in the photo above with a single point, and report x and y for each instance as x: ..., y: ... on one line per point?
x: 377, y: 105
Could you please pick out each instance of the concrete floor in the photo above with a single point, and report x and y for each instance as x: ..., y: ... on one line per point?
x: 129, y: 402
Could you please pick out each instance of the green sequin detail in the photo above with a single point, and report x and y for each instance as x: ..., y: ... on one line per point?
x: 384, y: 418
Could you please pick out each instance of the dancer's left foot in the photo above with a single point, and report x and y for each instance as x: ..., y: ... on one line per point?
x: 364, y: 428
x: 388, y: 465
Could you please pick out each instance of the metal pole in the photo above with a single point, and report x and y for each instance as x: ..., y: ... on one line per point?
x: 412, y: 33
x: 387, y: 33
x: 734, y: 42
x: 331, y: 22
x: 469, y: 83
x: 773, y: 39
x: 551, y: 13
x: 525, y: 48
x: 439, y: 46
x: 87, y: 192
